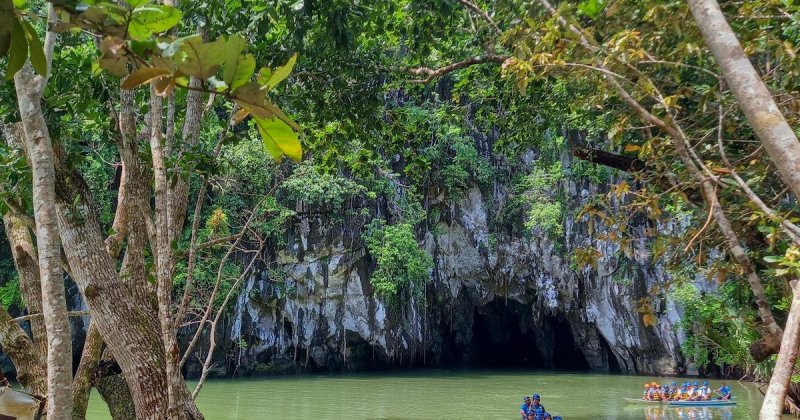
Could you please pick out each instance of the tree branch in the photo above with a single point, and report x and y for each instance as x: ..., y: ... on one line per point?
x: 439, y: 72
x: 480, y: 12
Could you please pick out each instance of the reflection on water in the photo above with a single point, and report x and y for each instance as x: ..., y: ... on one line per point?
x: 450, y: 395
x: 687, y: 413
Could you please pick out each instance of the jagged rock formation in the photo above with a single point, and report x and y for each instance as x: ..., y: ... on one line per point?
x: 496, y: 298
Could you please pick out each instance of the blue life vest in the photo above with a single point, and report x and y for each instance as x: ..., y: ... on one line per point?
x: 526, y: 409
x: 538, y: 412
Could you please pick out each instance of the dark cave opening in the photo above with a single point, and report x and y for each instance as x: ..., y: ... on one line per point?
x: 504, y: 335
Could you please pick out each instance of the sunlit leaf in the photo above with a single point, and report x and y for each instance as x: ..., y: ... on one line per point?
x: 278, y: 136
x: 135, y: 3
x: 18, y: 51
x: 201, y: 59
x: 145, y: 21
x: 632, y: 147
x: 263, y: 75
x: 238, y: 68
x: 35, y: 48
x: 143, y: 75
x: 281, y: 73
x: 169, y: 49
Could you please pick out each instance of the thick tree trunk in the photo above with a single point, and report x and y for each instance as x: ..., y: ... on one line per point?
x: 26, y: 261
x: 772, y: 408
x: 130, y: 330
x: 31, y: 372
x: 751, y: 93
x: 54, y: 305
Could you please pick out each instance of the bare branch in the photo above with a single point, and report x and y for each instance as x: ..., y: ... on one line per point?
x: 439, y: 72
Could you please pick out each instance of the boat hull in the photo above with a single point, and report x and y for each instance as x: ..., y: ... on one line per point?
x: 710, y: 403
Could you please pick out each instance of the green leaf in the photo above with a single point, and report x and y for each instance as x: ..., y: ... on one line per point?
x: 263, y: 75
x: 281, y: 73
x: 143, y: 75
x: 20, y: 4
x: 135, y: 3
x: 202, y: 60
x: 238, y: 68
x: 171, y: 48
x: 591, y: 8
x: 36, y: 49
x: 18, y: 51
x: 145, y: 21
x: 773, y: 258
x: 279, y: 139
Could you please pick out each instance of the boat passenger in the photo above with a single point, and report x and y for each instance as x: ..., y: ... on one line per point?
x: 525, y: 408
x: 685, y: 392
x: 646, y: 394
x: 695, y: 392
x: 675, y: 391
x: 705, y: 391
x: 531, y: 416
x: 547, y: 416
x: 537, y: 408
x: 724, y: 392
x: 656, y: 392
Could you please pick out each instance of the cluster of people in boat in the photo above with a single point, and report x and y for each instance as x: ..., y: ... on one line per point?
x: 532, y: 409
x: 686, y: 392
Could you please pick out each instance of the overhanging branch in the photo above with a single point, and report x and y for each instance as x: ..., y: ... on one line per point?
x: 429, y: 74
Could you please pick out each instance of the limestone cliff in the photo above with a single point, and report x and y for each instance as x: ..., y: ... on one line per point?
x: 497, y: 297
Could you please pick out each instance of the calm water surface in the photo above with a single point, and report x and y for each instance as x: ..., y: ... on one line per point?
x: 442, y: 395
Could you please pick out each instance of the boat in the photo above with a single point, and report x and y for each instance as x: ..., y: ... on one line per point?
x: 641, y: 401
x: 708, y: 403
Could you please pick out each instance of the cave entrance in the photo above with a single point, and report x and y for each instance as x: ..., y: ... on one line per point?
x: 504, y: 335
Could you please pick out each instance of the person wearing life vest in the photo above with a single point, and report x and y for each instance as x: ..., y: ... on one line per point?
x: 646, y: 392
x: 676, y: 392
x: 685, y: 391
x: 537, y: 408
x: 724, y: 392
x: 696, y: 392
x: 525, y: 408
x: 705, y: 391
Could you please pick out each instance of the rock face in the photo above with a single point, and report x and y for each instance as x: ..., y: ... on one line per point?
x: 496, y: 298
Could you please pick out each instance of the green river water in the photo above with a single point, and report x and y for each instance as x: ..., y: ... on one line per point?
x: 432, y: 394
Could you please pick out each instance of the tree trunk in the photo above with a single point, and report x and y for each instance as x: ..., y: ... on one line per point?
x: 82, y: 384
x: 772, y: 408
x: 751, y: 93
x: 128, y: 327
x: 164, y: 257
x: 54, y: 305
x: 26, y: 260
x: 31, y: 372
x: 115, y: 392
x: 781, y: 144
